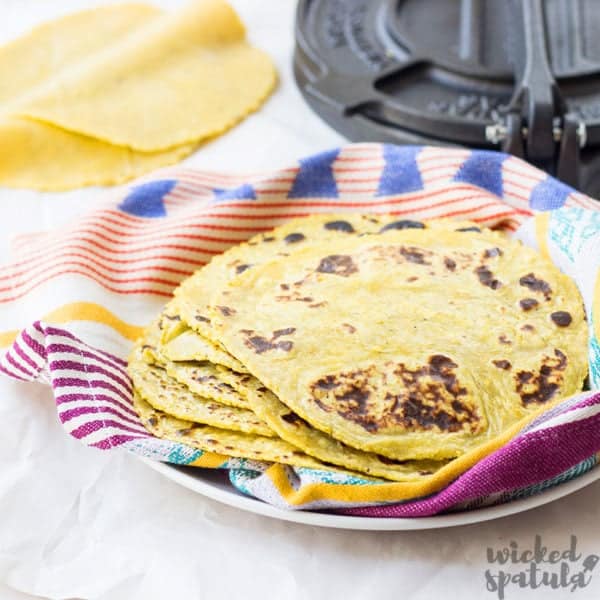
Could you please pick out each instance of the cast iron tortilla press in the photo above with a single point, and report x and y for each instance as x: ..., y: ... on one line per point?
x: 521, y: 76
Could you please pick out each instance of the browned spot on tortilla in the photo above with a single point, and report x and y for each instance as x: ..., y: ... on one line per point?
x: 227, y: 311
x: 337, y: 264
x: 449, y: 263
x: 349, y: 328
x: 201, y: 318
x: 503, y: 339
x: 562, y: 318
x: 413, y: 278
x: 430, y: 397
x: 152, y: 421
x: 293, y: 419
x: 317, y: 305
x: 284, y: 286
x: 241, y: 268
x: 502, y: 364
x: 492, y: 252
x: 527, y: 327
x: 343, y: 226
x: 531, y: 282
x: 486, y: 277
x: 540, y: 386
x: 203, y: 378
x: 528, y: 304
x: 172, y: 317
x: 190, y: 429
x: 294, y: 238
x: 286, y: 331
x: 414, y: 255
x: 294, y: 297
x: 261, y: 344
x: 268, y: 238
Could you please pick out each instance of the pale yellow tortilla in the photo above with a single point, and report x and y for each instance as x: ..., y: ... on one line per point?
x: 411, y: 344
x: 102, y: 96
x: 184, y: 77
x: 37, y: 156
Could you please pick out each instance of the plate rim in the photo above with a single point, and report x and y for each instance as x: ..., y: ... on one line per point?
x: 235, y: 499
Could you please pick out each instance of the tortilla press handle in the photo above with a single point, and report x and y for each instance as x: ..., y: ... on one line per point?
x: 536, y: 92
x: 537, y: 126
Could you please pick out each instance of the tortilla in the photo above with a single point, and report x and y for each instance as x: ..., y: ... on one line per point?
x: 181, y: 78
x: 168, y: 395
x: 104, y: 95
x: 202, y: 378
x: 29, y: 158
x: 292, y: 428
x: 413, y: 344
x: 220, y: 441
x: 225, y: 386
x: 193, y: 296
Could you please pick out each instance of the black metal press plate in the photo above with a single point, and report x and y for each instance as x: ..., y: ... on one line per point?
x: 516, y: 75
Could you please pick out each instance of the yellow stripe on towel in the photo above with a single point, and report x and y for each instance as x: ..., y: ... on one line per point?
x: 82, y: 311
x: 542, y: 223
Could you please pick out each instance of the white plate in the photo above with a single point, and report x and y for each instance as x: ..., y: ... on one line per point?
x: 215, y: 484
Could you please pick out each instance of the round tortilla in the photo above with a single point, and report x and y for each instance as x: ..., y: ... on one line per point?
x: 413, y: 344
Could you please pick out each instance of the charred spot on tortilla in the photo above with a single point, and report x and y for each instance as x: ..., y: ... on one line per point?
x: 531, y: 282
x: 294, y: 238
x: 403, y: 224
x: 241, y: 268
x: 430, y: 398
x: 343, y: 226
x: 562, y: 318
x: 337, y: 264
x: 540, y: 386
x: 449, y: 263
x: 486, y: 278
x: 492, y: 252
x: 502, y: 364
x: 528, y: 304
x: 261, y: 344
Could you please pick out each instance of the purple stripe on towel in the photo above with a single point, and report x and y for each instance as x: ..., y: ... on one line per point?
x: 93, y: 426
x: 71, y: 365
x: 67, y: 348
x: 71, y: 413
x: 65, y: 398
x: 90, y: 384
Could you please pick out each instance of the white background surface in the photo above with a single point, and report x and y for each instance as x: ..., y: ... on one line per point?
x: 79, y: 523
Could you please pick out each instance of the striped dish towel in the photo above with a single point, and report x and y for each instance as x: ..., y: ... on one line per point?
x: 80, y: 295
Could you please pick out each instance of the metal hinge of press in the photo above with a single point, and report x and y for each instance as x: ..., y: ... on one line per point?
x: 568, y: 133
x: 538, y: 125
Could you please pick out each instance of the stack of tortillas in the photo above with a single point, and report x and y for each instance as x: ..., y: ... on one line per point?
x: 104, y: 95
x: 361, y: 343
